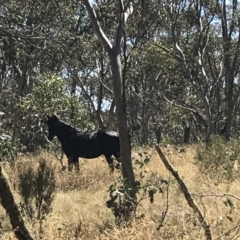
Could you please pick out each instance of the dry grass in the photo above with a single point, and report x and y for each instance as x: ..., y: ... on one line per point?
x: 79, y: 210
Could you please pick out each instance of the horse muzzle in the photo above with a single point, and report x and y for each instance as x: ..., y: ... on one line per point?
x: 50, y: 137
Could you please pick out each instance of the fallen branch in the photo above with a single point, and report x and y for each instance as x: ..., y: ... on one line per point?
x: 214, y: 194
x: 229, y: 231
x: 187, y: 194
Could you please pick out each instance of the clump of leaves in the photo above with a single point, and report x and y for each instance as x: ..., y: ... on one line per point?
x: 7, y: 151
x: 219, y: 157
x: 36, y: 187
x: 123, y: 195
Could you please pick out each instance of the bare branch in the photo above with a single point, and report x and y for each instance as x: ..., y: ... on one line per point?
x: 120, y: 29
x: 190, y: 109
x: 96, y: 25
x: 85, y: 92
x: 214, y: 194
x: 110, y: 114
x: 236, y: 57
x: 237, y: 226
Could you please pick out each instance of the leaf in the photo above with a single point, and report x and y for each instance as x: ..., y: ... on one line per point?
x: 182, y: 150
x: 138, y: 162
x: 160, y: 190
x: 112, y: 188
x: 147, y: 160
x: 175, y: 148
x: 4, y: 136
x: 1, y: 113
x: 164, y: 181
x: 151, y: 193
x: 110, y: 203
x: 228, y: 203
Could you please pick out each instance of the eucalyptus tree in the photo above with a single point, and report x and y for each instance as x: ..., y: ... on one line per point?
x: 204, y: 39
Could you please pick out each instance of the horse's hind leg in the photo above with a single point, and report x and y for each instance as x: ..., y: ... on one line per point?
x: 76, y: 163
x: 117, y: 156
x: 110, y: 163
x: 70, y: 164
x: 71, y: 161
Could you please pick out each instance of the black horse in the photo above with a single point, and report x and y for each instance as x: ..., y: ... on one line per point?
x: 77, y: 144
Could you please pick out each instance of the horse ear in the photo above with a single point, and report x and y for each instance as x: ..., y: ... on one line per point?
x: 44, y: 120
x: 55, y: 115
x: 48, y: 116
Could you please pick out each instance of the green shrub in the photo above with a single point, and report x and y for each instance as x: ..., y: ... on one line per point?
x: 36, y: 187
x: 50, y: 95
x: 123, y: 202
x: 7, y: 151
x: 218, y: 158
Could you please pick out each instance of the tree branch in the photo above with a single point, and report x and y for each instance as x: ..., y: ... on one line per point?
x: 186, y: 108
x: 110, y: 114
x: 85, y: 92
x: 96, y: 25
x: 120, y: 29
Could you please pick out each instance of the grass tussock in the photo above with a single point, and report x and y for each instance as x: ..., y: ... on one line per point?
x: 79, y: 211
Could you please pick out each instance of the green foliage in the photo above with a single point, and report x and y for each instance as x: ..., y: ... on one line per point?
x: 50, y: 95
x: 36, y: 187
x: 219, y: 158
x: 7, y: 151
x: 123, y: 195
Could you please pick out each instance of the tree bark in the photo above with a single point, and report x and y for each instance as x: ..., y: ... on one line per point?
x: 7, y: 201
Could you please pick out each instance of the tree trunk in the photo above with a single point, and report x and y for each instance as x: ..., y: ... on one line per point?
x: 186, y: 135
x: 230, y: 107
x: 127, y: 170
x: 11, y: 208
x: 114, y: 55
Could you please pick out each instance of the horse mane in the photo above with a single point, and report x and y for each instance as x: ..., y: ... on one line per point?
x: 69, y: 128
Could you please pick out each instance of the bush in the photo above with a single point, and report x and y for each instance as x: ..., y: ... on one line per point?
x: 123, y: 202
x: 51, y: 94
x: 7, y: 151
x: 219, y: 157
x: 36, y: 187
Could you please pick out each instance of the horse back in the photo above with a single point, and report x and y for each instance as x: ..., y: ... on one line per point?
x: 109, y: 142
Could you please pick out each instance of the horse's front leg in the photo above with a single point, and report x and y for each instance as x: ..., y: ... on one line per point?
x: 117, y: 156
x: 110, y: 163
x: 76, y: 163
x: 70, y: 163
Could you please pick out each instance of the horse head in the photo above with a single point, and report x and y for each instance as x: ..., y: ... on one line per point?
x: 51, y: 122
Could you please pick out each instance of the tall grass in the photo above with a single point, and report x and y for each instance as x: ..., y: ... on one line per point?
x: 79, y: 205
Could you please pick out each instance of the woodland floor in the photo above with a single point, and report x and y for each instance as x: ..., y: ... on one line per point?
x: 79, y: 210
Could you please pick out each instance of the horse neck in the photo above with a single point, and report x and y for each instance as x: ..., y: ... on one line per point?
x: 64, y: 132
